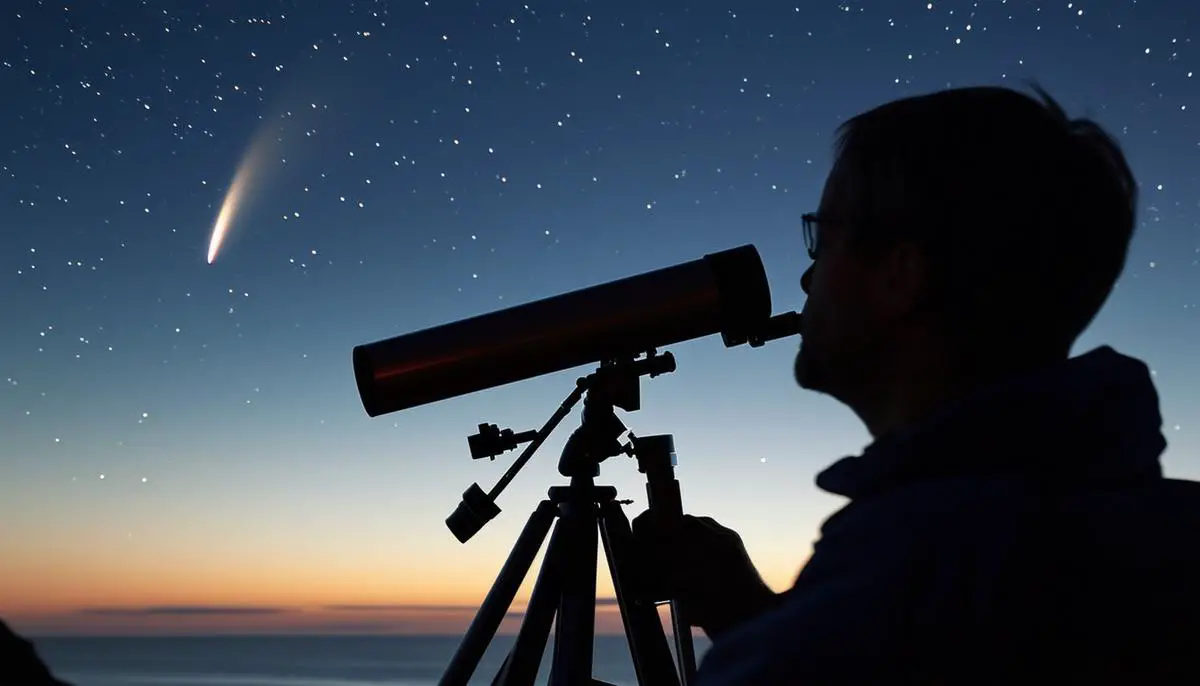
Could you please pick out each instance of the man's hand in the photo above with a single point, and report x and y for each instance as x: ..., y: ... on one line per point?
x: 707, y: 571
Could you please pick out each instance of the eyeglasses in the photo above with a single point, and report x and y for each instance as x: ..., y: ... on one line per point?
x: 810, y: 223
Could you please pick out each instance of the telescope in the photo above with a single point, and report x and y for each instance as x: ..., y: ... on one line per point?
x: 618, y: 325
x: 724, y: 292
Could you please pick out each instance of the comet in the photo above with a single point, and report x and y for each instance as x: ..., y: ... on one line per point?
x: 229, y: 207
x: 244, y: 179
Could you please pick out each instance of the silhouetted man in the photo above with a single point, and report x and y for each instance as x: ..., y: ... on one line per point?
x: 1010, y: 522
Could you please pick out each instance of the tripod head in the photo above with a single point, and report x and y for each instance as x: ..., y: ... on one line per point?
x: 614, y: 384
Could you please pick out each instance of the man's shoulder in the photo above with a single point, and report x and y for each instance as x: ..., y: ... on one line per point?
x: 985, y: 509
x: 933, y: 502
x: 976, y: 567
x: 990, y: 552
x: 1161, y: 514
x: 991, y: 491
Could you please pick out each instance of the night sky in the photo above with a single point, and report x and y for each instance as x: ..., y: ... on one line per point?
x: 184, y: 447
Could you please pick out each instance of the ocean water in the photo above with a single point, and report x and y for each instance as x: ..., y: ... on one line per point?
x: 295, y: 660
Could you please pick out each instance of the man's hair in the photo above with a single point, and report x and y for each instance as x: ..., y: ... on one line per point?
x: 1024, y: 214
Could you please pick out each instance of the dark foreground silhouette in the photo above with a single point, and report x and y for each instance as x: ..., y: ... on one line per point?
x: 20, y: 664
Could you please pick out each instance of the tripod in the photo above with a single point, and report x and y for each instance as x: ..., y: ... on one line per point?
x: 565, y: 591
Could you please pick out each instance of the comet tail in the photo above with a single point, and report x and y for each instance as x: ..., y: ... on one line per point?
x: 235, y: 197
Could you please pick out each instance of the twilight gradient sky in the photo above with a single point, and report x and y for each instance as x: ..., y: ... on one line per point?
x: 184, y: 448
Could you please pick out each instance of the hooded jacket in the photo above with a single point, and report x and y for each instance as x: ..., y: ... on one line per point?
x: 1026, y: 534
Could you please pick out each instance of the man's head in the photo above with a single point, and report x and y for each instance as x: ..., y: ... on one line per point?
x: 962, y: 235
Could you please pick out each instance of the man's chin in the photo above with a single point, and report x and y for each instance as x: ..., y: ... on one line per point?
x: 805, y: 372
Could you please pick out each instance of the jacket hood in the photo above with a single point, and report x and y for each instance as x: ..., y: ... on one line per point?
x: 1092, y: 417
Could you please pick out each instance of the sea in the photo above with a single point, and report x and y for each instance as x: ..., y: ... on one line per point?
x: 296, y: 660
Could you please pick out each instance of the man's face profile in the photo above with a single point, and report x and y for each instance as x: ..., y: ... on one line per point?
x: 855, y: 302
x: 814, y: 369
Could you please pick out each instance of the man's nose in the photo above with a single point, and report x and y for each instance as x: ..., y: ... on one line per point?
x: 806, y: 278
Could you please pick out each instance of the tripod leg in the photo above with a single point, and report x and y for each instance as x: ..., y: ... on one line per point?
x: 521, y: 667
x: 652, y: 661
x: 574, y: 634
x: 684, y: 645
x: 499, y: 598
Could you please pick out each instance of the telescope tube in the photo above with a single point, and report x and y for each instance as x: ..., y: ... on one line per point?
x: 724, y: 292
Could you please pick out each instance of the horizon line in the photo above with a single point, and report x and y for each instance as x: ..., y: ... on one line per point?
x: 296, y: 634
x: 189, y: 609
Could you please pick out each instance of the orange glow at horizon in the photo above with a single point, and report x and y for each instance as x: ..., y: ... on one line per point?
x: 277, y: 597
x: 335, y: 566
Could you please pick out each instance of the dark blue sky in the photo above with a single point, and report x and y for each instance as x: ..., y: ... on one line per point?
x: 420, y: 162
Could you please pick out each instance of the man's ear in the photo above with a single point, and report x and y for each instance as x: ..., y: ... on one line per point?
x: 904, y: 279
